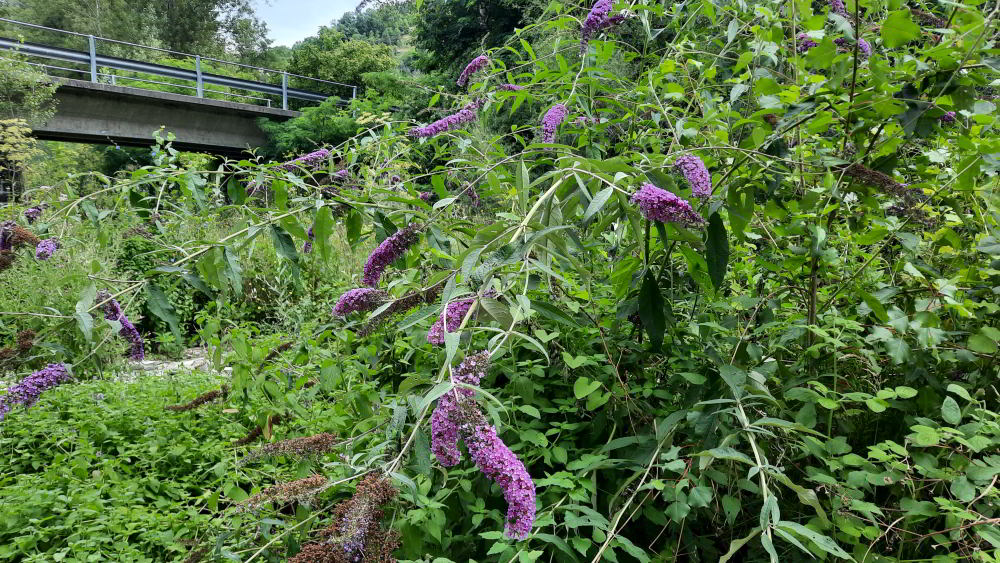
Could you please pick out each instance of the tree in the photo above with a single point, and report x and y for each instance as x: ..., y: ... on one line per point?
x: 455, y: 30
x: 329, y: 57
x: 386, y: 24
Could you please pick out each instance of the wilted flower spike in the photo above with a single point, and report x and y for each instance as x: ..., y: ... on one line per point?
x: 46, y: 248
x: 661, y: 205
x: 391, y: 249
x: 113, y: 312
x: 27, y: 391
x: 474, y: 66
x: 362, y: 299
x: 550, y: 123
x: 696, y: 174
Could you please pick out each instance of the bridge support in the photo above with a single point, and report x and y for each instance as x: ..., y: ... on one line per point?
x: 90, y: 112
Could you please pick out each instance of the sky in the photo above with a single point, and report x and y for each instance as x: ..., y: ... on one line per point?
x: 291, y: 21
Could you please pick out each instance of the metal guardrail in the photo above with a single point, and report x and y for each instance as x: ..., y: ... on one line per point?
x: 94, y: 60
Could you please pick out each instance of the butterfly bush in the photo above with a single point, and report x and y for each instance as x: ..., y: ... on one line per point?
x: 46, y: 248
x: 309, y: 161
x: 864, y: 48
x: 466, y: 115
x: 696, y: 174
x: 550, y: 123
x: 27, y: 391
x: 805, y: 42
x: 359, y: 300
x: 837, y: 7
x: 474, y: 66
x: 444, y: 426
x: 510, y: 87
x: 391, y: 249
x: 948, y: 118
x: 456, y: 415
x: 660, y: 205
x: 307, y: 246
x: 454, y: 312
x: 598, y: 20
x: 113, y: 312
x: 32, y: 214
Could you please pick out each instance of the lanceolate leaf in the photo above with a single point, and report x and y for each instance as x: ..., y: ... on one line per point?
x: 160, y: 306
x: 717, y: 250
x: 651, y: 310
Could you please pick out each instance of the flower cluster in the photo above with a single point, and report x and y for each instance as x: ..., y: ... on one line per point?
x: 200, y: 400
x: 598, y: 20
x: 113, y: 312
x: 510, y: 87
x: 293, y: 491
x: 272, y: 420
x: 474, y: 66
x: 426, y: 196
x: 452, y: 318
x: 306, y: 446
x: 46, y: 248
x: 309, y: 161
x: 499, y: 463
x: 837, y: 7
x: 948, y: 118
x: 696, y: 174
x: 805, y: 42
x: 466, y: 115
x: 550, y: 123
x: 13, y: 236
x: 864, y: 47
x: 444, y: 419
x: 391, y: 249
x: 359, y: 300
x: 661, y: 205
x: 27, y: 391
x: 307, y: 246
x: 341, y: 174
x: 32, y: 214
x: 356, y: 534
x: 457, y: 415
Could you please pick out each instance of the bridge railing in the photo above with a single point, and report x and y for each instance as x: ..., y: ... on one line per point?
x: 187, y: 74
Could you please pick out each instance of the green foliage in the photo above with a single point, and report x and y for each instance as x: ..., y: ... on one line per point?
x: 329, y: 56
x: 809, y: 375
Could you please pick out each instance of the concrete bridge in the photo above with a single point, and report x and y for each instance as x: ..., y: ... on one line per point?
x: 93, y: 108
x: 90, y: 112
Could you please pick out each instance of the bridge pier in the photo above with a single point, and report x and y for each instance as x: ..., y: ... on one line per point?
x: 90, y: 112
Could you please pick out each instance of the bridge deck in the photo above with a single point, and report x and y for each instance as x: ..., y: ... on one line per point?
x: 103, y: 113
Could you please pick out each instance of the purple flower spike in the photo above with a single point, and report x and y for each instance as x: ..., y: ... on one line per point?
x: 661, y: 205
x: 391, y: 249
x: 497, y: 462
x: 837, y: 7
x: 466, y: 115
x: 948, y: 118
x: 696, y: 174
x: 427, y: 196
x: 32, y: 214
x: 598, y: 20
x: 474, y: 66
x: 864, y: 48
x: 510, y: 87
x: 444, y: 426
x: 46, y: 248
x: 455, y: 312
x: 308, y: 246
x: 362, y: 299
x: 309, y: 161
x: 113, y: 312
x: 805, y: 42
x: 27, y: 391
x: 550, y: 123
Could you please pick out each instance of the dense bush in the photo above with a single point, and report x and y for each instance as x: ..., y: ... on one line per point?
x: 735, y: 281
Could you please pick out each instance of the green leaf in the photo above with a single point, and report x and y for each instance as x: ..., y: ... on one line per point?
x: 160, y: 306
x: 553, y: 313
x: 353, y: 225
x: 651, y: 310
x: 735, y: 377
x: 898, y: 29
x: 584, y: 386
x: 736, y: 545
x: 322, y: 231
x: 285, y: 246
x: 982, y: 344
x: 963, y: 489
x: 950, y: 411
x: 821, y: 541
x: 678, y: 511
x: 717, y: 250
x: 597, y: 203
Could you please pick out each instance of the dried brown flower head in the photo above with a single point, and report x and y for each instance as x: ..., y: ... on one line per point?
x: 305, y: 446
x: 26, y: 340
x: 258, y: 430
x: 200, y: 399
x: 284, y: 493
x: 7, y: 258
